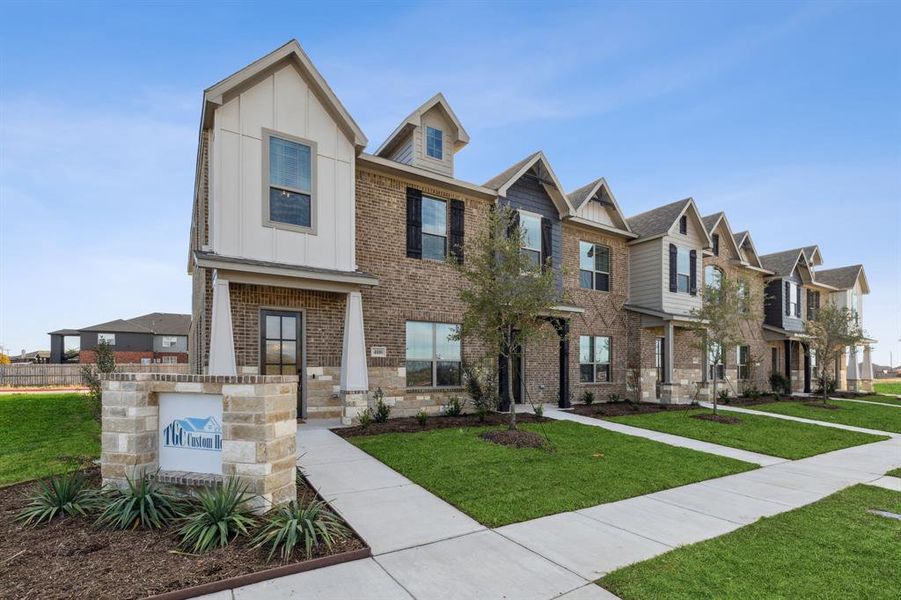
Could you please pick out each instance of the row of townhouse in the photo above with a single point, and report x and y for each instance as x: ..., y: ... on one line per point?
x: 311, y: 256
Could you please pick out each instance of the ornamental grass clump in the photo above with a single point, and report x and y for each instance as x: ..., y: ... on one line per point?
x: 144, y: 504
x: 294, y: 526
x: 63, y: 495
x: 219, y: 515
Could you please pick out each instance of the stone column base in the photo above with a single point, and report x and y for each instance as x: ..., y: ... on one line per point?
x: 854, y: 385
x: 673, y: 393
x: 353, y: 403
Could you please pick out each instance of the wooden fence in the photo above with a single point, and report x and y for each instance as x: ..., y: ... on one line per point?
x: 69, y: 374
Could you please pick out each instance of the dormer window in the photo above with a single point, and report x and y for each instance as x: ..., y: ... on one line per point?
x: 716, y: 243
x: 683, y: 225
x: 434, y: 143
x: 531, y: 238
x: 288, y: 200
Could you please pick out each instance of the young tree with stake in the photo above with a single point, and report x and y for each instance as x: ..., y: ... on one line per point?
x: 832, y: 329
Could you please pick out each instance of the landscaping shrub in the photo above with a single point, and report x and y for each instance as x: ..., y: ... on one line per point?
x: 480, y: 385
x: 723, y: 396
x: 752, y: 392
x: 454, y: 407
x: 779, y: 383
x: 63, y: 495
x: 90, y: 374
x: 292, y: 526
x: 422, y: 416
x: 382, y: 410
x: 588, y: 397
x: 218, y: 516
x: 365, y: 418
x: 615, y: 398
x: 539, y: 410
x: 144, y: 504
x: 830, y: 387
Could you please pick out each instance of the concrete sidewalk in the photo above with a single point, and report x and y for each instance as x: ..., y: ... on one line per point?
x: 800, y: 419
x: 424, y: 548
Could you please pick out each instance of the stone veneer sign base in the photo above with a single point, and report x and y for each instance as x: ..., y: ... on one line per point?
x: 255, y: 440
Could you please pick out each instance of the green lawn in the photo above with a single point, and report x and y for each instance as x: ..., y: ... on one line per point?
x: 882, y: 399
x: 895, y: 472
x: 498, y: 485
x: 887, y: 388
x: 40, y: 430
x: 831, y: 549
x: 766, y: 435
x: 872, y: 416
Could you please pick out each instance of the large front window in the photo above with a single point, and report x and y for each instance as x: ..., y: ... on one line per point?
x: 434, y: 228
x: 744, y: 362
x: 531, y: 243
x: 714, y: 362
x: 289, y: 195
x: 683, y: 269
x: 433, y: 355
x: 594, y: 266
x: 594, y: 359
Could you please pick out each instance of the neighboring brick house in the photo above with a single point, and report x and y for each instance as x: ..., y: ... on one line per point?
x: 310, y: 256
x: 148, y: 339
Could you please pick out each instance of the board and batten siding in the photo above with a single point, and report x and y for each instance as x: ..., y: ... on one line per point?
x: 433, y: 118
x: 593, y: 210
x: 282, y: 102
x: 529, y: 195
x: 682, y: 303
x: 645, y: 281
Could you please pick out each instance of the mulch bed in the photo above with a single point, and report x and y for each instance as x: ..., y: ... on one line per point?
x: 717, y: 418
x: 518, y: 438
x: 411, y: 424
x: 69, y: 558
x: 621, y: 409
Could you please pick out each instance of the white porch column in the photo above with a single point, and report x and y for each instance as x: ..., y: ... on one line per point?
x: 668, y: 352
x: 354, y: 371
x: 222, y: 341
x: 852, y: 363
x: 867, y: 364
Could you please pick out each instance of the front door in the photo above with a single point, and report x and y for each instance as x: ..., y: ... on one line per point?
x: 281, y: 347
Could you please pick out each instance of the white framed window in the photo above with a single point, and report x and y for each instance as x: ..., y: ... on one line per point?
x: 594, y: 266
x: 594, y: 359
x: 289, y: 181
x: 170, y: 360
x: 714, y: 362
x: 434, y: 143
x: 146, y: 361
x: 712, y: 277
x: 659, y: 357
x: 169, y: 341
x: 109, y: 338
x: 813, y: 362
x: 434, y: 228
x: 743, y: 359
x: 683, y: 225
x: 683, y: 269
x: 530, y: 224
x: 793, y: 308
x: 433, y: 356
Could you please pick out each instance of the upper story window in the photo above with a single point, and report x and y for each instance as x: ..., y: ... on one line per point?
x: 813, y: 304
x: 433, y: 355
x: 288, y: 197
x: 712, y: 277
x: 531, y: 242
x: 792, y: 299
x: 683, y: 269
x: 434, y: 143
x: 109, y: 338
x: 594, y: 359
x: 715, y: 238
x: 169, y: 341
x: 683, y: 225
x: 715, y: 368
x: 434, y: 228
x: 743, y: 356
x: 855, y: 302
x: 594, y: 266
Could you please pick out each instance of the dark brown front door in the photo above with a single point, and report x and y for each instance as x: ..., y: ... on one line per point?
x: 281, y: 347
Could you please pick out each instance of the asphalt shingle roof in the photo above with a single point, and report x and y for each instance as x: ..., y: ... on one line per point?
x: 781, y: 263
x: 578, y: 197
x: 498, y: 181
x: 710, y: 221
x: 842, y: 278
x: 658, y: 220
x: 156, y: 323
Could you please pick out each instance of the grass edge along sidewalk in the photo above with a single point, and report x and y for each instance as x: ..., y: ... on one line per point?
x: 498, y: 485
x: 40, y: 431
x: 857, y: 414
x: 832, y: 548
x: 766, y: 435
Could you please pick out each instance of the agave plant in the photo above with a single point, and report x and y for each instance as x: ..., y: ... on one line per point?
x: 67, y: 495
x: 218, y: 516
x: 293, y: 525
x: 144, y: 504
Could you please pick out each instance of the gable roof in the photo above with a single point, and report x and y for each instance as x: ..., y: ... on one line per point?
x: 744, y: 237
x: 711, y: 221
x: 658, y: 221
x: 844, y: 278
x: 813, y: 255
x: 290, y: 52
x: 600, y: 191
x: 782, y: 264
x: 155, y: 323
x: 537, y: 160
x: 414, y: 119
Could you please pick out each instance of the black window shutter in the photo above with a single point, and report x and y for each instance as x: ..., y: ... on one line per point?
x: 414, y: 223
x: 693, y: 269
x: 798, y: 302
x: 672, y: 268
x: 514, y: 223
x: 788, y: 300
x: 716, y: 244
x: 457, y: 211
x: 547, y: 253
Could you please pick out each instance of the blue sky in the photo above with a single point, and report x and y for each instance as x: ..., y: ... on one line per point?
x: 785, y: 115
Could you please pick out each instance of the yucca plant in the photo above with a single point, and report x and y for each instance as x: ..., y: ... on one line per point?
x: 219, y: 515
x: 292, y: 526
x: 63, y: 495
x: 144, y: 504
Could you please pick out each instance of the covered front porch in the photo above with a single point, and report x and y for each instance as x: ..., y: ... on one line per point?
x: 671, y: 368
x: 790, y: 355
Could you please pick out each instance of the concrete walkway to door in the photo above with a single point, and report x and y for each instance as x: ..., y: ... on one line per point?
x: 424, y: 548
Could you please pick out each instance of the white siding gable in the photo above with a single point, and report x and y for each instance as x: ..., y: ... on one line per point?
x: 281, y: 101
x: 434, y: 117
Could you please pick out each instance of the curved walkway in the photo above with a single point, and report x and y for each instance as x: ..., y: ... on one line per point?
x: 424, y: 548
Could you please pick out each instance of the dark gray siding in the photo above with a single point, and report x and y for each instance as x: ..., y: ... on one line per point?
x: 793, y: 323
x: 130, y: 342
x: 181, y: 344
x: 774, y: 303
x: 528, y: 194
